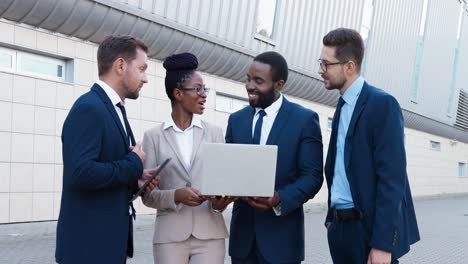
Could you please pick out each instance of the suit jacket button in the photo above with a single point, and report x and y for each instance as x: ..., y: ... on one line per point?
x: 188, y: 184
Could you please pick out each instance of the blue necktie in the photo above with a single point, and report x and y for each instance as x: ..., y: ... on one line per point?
x: 335, y: 125
x: 258, y: 128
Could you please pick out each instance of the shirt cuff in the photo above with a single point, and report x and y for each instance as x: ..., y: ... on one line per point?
x: 216, y: 211
x: 277, y: 209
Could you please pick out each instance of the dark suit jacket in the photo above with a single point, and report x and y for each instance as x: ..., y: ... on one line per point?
x: 99, y: 177
x: 375, y: 163
x: 299, y: 176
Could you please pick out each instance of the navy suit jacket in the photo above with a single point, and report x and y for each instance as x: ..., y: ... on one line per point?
x: 375, y: 164
x: 299, y: 176
x: 99, y: 177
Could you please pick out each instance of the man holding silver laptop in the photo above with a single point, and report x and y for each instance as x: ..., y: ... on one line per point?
x: 271, y: 229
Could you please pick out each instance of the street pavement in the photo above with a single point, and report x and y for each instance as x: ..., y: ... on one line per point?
x: 443, y: 223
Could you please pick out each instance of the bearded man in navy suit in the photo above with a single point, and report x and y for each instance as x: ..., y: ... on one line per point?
x: 271, y: 230
x: 102, y: 164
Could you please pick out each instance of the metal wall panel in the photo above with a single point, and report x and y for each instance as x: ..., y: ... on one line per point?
x: 391, y: 47
x: 437, y: 59
x: 299, y: 27
x: 462, y: 71
x: 302, y: 25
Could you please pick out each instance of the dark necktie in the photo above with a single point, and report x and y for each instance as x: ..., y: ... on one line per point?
x: 335, y: 125
x: 258, y: 128
x: 132, y: 139
x: 127, y: 125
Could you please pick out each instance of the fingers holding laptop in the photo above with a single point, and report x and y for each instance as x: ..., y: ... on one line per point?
x: 221, y: 202
x: 263, y: 203
x: 188, y: 196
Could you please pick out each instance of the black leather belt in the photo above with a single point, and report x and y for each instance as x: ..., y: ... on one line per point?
x: 346, y: 215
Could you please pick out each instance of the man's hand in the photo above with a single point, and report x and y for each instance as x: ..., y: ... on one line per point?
x: 188, y: 196
x: 146, y: 176
x: 220, y: 202
x: 377, y: 256
x: 139, y: 151
x: 263, y: 203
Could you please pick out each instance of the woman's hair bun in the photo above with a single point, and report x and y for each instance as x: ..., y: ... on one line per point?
x: 181, y: 62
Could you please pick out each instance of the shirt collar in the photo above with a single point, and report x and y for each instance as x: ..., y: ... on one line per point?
x: 351, y: 94
x: 196, y: 121
x: 273, y: 108
x: 111, y: 93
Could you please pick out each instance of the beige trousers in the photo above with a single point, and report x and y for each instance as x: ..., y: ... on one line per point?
x: 190, y: 251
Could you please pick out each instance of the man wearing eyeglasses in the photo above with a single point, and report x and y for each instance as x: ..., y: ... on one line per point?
x: 271, y: 230
x: 371, y: 217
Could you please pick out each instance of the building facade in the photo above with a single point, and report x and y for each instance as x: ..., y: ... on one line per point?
x: 417, y: 50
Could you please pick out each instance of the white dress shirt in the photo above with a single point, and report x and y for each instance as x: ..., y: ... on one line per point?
x: 184, y: 138
x: 268, y: 120
x: 115, y: 99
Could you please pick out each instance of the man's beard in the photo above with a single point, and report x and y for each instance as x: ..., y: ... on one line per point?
x: 129, y: 93
x: 264, y: 100
x: 338, y: 85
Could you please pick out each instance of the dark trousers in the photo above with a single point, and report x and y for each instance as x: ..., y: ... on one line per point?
x: 255, y: 257
x: 348, y: 243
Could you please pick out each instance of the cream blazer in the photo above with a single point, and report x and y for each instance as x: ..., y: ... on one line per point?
x: 176, y: 222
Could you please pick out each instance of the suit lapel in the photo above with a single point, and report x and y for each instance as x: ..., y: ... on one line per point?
x: 197, y: 139
x: 169, y: 136
x: 246, y: 127
x: 107, y: 102
x: 360, y: 105
x: 280, y: 121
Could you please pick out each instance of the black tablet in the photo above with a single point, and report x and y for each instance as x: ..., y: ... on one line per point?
x: 156, y: 173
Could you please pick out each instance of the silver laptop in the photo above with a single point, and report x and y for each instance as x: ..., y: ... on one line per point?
x: 238, y: 169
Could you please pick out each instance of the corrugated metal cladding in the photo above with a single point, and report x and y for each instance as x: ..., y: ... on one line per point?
x: 438, y: 59
x: 462, y: 111
x: 462, y: 71
x: 391, y: 49
x: 222, y: 34
x: 300, y: 24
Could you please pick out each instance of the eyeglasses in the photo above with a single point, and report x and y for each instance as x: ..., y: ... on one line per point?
x: 199, y: 90
x: 324, y: 65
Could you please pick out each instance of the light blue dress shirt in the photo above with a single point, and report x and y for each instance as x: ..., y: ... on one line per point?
x: 341, y: 197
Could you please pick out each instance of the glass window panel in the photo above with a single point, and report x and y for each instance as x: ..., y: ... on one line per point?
x: 367, y: 19
x: 422, y: 25
x: 462, y: 169
x: 223, y: 103
x: 329, y: 123
x: 238, y: 104
x: 36, y: 65
x: 229, y: 104
x: 6, y: 60
x: 266, y: 18
x: 435, y: 145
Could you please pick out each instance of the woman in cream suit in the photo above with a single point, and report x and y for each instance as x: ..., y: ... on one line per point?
x: 188, y: 228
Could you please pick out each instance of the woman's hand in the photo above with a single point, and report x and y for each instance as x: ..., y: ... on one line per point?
x: 188, y: 196
x: 220, y: 202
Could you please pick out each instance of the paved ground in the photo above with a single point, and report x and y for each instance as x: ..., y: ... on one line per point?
x: 443, y: 224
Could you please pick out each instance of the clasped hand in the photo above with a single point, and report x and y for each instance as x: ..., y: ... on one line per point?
x: 263, y: 203
x: 221, y: 202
